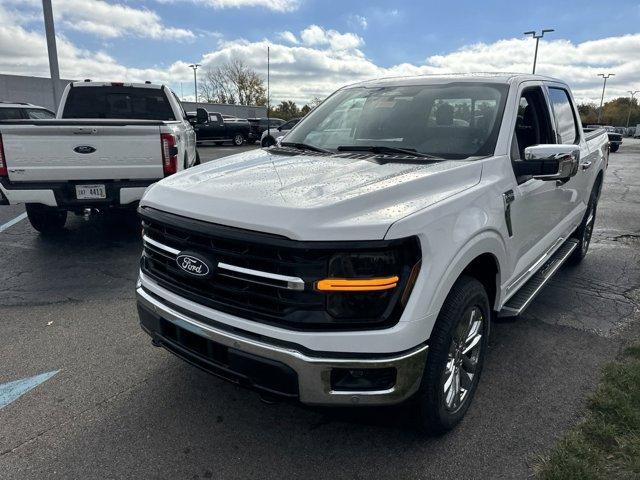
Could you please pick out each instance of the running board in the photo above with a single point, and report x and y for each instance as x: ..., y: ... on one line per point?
x: 525, y: 295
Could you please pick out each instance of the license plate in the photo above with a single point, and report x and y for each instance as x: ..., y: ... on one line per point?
x: 91, y: 192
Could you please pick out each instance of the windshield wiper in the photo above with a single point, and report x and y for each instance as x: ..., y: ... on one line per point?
x: 384, y: 149
x: 305, y: 146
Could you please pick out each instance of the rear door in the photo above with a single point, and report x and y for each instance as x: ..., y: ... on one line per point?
x: 55, y: 150
x: 574, y: 193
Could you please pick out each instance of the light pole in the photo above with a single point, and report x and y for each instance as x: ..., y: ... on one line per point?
x: 195, y: 80
x: 604, y: 85
x: 537, y: 37
x: 632, y: 92
x: 53, y: 51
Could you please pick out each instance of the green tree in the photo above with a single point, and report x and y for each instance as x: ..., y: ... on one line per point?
x: 614, y: 112
x: 286, y: 110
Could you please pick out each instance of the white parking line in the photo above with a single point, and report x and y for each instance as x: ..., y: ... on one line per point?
x: 10, y: 223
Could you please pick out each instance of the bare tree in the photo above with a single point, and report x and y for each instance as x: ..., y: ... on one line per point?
x: 233, y: 82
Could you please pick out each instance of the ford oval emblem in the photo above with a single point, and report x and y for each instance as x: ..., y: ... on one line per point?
x: 193, y: 265
x: 84, y: 149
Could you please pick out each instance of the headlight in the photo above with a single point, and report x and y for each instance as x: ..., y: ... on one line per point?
x: 369, y: 287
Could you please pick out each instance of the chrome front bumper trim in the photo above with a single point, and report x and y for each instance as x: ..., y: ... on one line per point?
x: 313, y: 372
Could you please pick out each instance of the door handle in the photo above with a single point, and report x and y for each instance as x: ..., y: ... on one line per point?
x: 585, y: 165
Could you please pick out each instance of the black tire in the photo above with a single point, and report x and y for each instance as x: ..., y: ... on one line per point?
x: 197, y: 162
x: 467, y: 302
x: 268, y: 142
x: 238, y: 139
x: 46, y: 220
x: 584, y: 232
x: 613, y: 148
x: 218, y: 143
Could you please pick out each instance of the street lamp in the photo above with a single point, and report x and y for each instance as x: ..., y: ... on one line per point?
x: 195, y: 80
x: 537, y: 37
x: 52, y: 49
x: 632, y: 92
x: 604, y: 85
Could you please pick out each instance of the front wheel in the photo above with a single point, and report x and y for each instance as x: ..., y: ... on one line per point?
x: 44, y: 219
x: 614, y: 147
x: 238, y: 139
x: 456, y: 355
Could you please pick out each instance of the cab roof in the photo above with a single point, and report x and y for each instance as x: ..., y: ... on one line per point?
x: 487, y: 77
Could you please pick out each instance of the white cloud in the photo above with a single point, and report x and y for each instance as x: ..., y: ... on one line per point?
x: 276, y: 5
x: 106, y: 20
x: 358, y: 21
x: 288, y: 37
x: 314, y: 35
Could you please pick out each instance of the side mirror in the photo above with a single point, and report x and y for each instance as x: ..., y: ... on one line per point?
x: 279, y: 129
x: 202, y: 116
x: 552, y: 162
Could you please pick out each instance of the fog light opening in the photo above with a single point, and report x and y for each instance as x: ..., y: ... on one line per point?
x: 362, y: 379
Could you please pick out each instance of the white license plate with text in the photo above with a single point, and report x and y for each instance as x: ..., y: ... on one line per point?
x: 91, y: 192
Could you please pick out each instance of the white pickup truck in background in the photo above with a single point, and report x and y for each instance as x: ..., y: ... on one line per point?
x: 361, y: 260
x: 107, y: 144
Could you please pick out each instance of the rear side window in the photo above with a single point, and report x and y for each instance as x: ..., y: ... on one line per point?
x: 10, y: 113
x: 39, y: 113
x: 566, y: 125
x: 117, y: 102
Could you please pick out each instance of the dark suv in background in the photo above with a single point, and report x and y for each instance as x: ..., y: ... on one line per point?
x: 259, y: 125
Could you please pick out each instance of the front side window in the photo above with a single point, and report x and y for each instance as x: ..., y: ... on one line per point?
x: 455, y: 120
x: 566, y: 125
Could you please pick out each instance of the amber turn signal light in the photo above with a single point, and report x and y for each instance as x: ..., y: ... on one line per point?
x: 356, y: 284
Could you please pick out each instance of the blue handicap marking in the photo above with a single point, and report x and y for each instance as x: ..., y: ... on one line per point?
x: 11, y: 391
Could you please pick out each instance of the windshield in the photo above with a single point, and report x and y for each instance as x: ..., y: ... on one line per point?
x: 456, y: 120
x: 118, y: 102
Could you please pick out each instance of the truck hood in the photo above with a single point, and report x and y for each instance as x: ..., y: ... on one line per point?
x: 310, y: 197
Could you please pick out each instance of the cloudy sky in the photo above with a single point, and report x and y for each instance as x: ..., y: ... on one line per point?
x: 320, y: 45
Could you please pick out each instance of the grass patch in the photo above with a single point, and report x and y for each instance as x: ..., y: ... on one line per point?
x: 606, y: 444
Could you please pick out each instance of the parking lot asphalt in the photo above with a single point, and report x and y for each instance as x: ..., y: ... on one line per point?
x: 120, y: 408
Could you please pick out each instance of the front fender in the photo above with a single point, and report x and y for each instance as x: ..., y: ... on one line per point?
x: 485, y: 242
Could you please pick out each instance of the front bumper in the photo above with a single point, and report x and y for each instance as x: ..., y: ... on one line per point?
x: 303, y: 375
x: 62, y: 194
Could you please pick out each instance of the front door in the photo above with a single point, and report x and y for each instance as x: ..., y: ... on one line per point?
x: 537, y: 207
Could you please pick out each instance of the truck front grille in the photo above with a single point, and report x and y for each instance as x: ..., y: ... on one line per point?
x: 256, y: 276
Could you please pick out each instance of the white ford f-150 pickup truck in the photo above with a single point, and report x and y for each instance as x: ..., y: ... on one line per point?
x: 361, y: 260
x: 107, y: 144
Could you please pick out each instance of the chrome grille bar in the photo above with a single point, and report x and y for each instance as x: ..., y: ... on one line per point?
x: 292, y: 283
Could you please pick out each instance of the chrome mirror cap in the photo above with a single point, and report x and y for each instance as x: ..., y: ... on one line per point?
x: 567, y: 158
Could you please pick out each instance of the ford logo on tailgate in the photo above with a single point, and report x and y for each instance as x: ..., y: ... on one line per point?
x: 84, y: 149
x: 193, y: 264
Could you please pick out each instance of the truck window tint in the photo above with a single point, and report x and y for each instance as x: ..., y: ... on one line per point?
x: 456, y: 120
x: 117, y: 102
x: 566, y: 125
x: 38, y: 113
x: 533, y: 124
x: 10, y: 113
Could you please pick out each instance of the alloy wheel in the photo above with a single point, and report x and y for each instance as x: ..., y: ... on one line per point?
x: 462, y: 361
